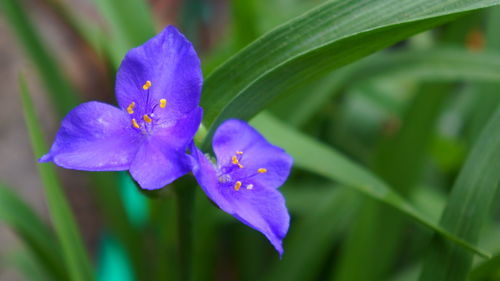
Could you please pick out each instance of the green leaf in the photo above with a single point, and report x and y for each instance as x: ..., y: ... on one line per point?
x: 74, y: 254
x: 487, y: 271
x: 433, y: 65
x: 468, y: 206
x: 438, y: 64
x: 244, y: 22
x: 205, y: 240
x: 27, y: 265
x: 90, y: 31
x: 325, y: 161
x: 399, y: 161
x: 109, y: 190
x: 130, y: 24
x: 326, y: 38
x: 37, y: 237
x: 60, y: 90
x: 319, y: 93
x: 487, y: 98
x: 303, y: 260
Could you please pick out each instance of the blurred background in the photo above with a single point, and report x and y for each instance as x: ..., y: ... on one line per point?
x: 413, y: 127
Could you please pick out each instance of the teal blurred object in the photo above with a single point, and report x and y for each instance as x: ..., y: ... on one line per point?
x: 113, y: 263
x: 136, y: 204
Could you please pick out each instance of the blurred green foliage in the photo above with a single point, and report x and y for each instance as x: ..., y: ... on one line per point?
x: 394, y: 132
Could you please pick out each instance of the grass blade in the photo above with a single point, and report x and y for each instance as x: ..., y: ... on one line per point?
x: 244, y: 20
x: 130, y: 24
x: 468, y: 206
x: 317, y: 42
x: 74, y: 254
x: 433, y: 65
x: 33, y: 232
x: 29, y: 266
x: 322, y: 160
x: 62, y: 93
x: 64, y: 97
x: 488, y: 97
x: 303, y: 261
x: 438, y: 64
x: 487, y: 271
x: 399, y: 161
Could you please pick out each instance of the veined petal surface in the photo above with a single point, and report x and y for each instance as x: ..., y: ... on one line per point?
x: 95, y: 137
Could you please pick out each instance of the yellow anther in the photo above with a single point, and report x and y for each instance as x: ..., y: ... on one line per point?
x: 130, y: 108
x: 262, y: 170
x: 147, y: 118
x: 146, y: 85
x: 163, y: 103
x: 134, y: 122
x: 237, y: 185
x: 249, y: 186
x: 239, y: 152
x: 235, y: 161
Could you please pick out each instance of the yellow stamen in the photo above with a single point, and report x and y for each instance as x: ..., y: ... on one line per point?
x: 147, y: 85
x: 235, y: 161
x: 239, y: 152
x: 134, y: 122
x: 163, y: 103
x: 262, y: 170
x: 147, y: 118
x: 250, y: 186
x: 130, y: 108
x: 237, y: 185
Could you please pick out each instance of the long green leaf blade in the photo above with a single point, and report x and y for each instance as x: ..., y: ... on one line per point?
x: 326, y: 38
x: 33, y: 232
x: 322, y: 160
x: 436, y: 64
x: 468, y: 206
x: 487, y: 93
x: 399, y: 162
x: 303, y: 260
x: 130, y: 24
x: 74, y: 254
x: 28, y: 265
x: 60, y: 90
x: 487, y: 271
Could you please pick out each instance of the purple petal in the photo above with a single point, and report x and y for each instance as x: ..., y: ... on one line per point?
x: 234, y: 135
x: 180, y: 134
x: 170, y: 62
x: 156, y: 165
x: 94, y: 137
x: 162, y: 159
x: 261, y: 208
x: 206, y: 175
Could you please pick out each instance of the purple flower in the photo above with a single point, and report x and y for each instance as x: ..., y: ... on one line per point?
x: 245, y: 180
x: 158, y: 88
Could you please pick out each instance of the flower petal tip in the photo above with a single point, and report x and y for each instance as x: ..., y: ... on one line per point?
x: 279, y: 249
x: 46, y: 158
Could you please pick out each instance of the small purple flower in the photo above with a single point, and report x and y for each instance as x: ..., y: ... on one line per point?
x: 158, y: 89
x: 245, y: 180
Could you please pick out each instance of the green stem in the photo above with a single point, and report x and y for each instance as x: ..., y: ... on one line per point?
x: 185, y: 203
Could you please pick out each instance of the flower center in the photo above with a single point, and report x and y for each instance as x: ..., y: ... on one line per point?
x: 244, y: 179
x: 145, y: 120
